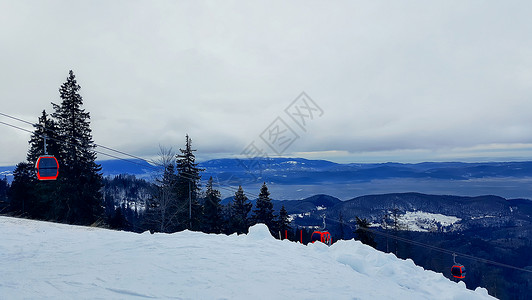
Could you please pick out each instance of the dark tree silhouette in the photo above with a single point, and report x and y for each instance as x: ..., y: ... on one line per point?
x: 80, y: 200
x: 240, y: 209
x: 283, y: 221
x: 363, y: 233
x: 264, y: 209
x: 212, y: 210
x: 188, y: 187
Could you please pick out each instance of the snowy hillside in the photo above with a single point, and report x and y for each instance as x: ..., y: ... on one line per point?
x: 425, y: 222
x: 55, y: 261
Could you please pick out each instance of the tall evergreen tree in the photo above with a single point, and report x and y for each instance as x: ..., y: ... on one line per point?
x: 264, y: 209
x: 283, y: 221
x: 188, y: 187
x: 240, y: 210
x: 227, y: 214
x: 80, y: 180
x: 212, y: 210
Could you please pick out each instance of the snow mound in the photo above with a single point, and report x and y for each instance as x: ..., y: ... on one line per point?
x: 259, y: 232
x: 42, y: 260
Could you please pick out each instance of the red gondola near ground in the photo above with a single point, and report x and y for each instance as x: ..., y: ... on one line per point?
x: 47, y: 168
x: 322, y: 236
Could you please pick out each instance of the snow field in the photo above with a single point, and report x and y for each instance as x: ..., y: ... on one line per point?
x: 55, y: 261
x: 425, y: 222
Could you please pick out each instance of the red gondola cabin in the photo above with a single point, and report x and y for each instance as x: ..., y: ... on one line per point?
x: 322, y: 236
x: 458, y: 271
x: 47, y: 168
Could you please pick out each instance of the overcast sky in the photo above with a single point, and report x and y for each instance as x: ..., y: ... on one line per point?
x: 403, y: 81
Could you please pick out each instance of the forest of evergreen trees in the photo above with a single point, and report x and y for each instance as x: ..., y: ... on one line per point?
x: 138, y: 205
x: 80, y: 195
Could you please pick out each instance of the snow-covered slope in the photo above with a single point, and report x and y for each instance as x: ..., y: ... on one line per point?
x: 54, y: 261
x: 425, y: 222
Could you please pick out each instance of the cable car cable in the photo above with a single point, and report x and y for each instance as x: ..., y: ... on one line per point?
x: 467, y: 256
x: 431, y: 247
x: 150, y: 163
x: 181, y: 174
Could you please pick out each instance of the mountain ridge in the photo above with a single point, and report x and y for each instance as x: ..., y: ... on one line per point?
x: 298, y: 178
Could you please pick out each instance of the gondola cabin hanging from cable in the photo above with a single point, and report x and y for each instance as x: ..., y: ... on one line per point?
x: 47, y: 167
x: 321, y: 235
x: 458, y: 270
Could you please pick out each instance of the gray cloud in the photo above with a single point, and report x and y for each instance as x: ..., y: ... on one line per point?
x: 393, y: 79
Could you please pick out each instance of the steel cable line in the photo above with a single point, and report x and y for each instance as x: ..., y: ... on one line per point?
x: 68, y: 143
x: 150, y: 163
x: 431, y: 247
x: 467, y: 256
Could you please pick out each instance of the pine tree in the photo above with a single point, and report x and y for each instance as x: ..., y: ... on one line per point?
x: 212, y: 210
x: 363, y: 233
x: 240, y: 210
x: 188, y: 187
x: 227, y: 215
x: 80, y: 181
x: 283, y: 221
x: 264, y: 209
x: 22, y: 192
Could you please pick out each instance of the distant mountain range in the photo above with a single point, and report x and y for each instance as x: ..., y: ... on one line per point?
x: 465, y: 212
x: 322, y: 171
x: 298, y: 178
